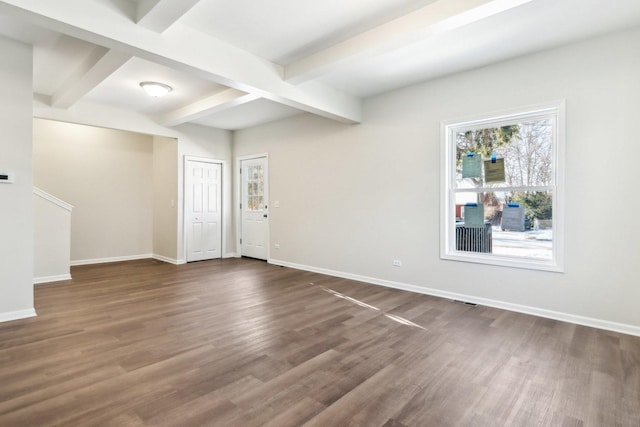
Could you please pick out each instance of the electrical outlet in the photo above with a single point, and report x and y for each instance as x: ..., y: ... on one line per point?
x: 397, y: 263
x: 277, y: 246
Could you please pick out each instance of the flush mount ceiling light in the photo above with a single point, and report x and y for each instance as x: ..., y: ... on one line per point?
x: 156, y: 89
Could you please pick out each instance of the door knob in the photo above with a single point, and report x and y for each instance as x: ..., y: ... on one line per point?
x: 265, y: 215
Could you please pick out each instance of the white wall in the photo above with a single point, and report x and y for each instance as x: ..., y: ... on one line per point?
x: 16, y: 204
x: 52, y: 239
x: 107, y: 175
x: 353, y: 198
x: 165, y: 198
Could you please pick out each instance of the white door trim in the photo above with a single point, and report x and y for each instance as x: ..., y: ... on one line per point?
x: 237, y: 198
x: 223, y: 166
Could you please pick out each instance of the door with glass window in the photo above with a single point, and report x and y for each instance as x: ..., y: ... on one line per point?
x: 254, y: 208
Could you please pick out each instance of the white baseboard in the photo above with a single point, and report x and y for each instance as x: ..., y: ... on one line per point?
x: 166, y: 259
x: 556, y: 315
x: 16, y: 315
x: 227, y: 255
x: 112, y: 259
x: 49, y: 279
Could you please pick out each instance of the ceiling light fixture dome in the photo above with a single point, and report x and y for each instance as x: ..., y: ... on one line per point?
x: 156, y: 89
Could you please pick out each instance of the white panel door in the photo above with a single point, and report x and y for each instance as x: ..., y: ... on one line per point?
x: 203, y: 213
x: 253, y: 208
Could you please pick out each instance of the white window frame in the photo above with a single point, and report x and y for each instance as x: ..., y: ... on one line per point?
x: 448, y: 170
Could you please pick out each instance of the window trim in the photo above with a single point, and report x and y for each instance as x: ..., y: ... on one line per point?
x: 447, y: 185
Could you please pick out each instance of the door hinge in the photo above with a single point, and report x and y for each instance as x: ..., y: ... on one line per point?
x: 240, y: 171
x: 241, y: 240
x: 240, y: 205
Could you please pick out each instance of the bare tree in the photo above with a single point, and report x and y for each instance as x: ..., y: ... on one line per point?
x: 527, y: 149
x: 528, y: 162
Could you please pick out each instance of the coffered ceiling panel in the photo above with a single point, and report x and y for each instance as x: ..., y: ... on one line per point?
x: 237, y: 63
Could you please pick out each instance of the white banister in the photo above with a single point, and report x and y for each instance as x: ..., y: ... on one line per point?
x: 53, y: 199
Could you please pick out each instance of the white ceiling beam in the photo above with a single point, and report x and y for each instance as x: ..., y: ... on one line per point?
x: 436, y: 18
x: 212, y: 104
x: 100, y: 115
x: 184, y: 49
x: 99, y: 65
x: 159, y: 15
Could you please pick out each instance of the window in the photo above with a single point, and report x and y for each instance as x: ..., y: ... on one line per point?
x: 255, y: 189
x: 502, y: 193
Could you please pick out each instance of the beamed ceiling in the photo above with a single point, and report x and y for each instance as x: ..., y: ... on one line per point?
x: 238, y: 63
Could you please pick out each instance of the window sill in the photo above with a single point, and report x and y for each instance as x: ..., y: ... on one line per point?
x: 505, y: 261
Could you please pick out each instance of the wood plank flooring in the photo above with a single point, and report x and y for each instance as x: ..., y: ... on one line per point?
x: 238, y: 342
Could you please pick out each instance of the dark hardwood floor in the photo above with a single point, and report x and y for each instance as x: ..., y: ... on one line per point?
x: 242, y: 343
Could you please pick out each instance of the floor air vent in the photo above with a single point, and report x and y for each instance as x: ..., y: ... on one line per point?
x: 472, y: 304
